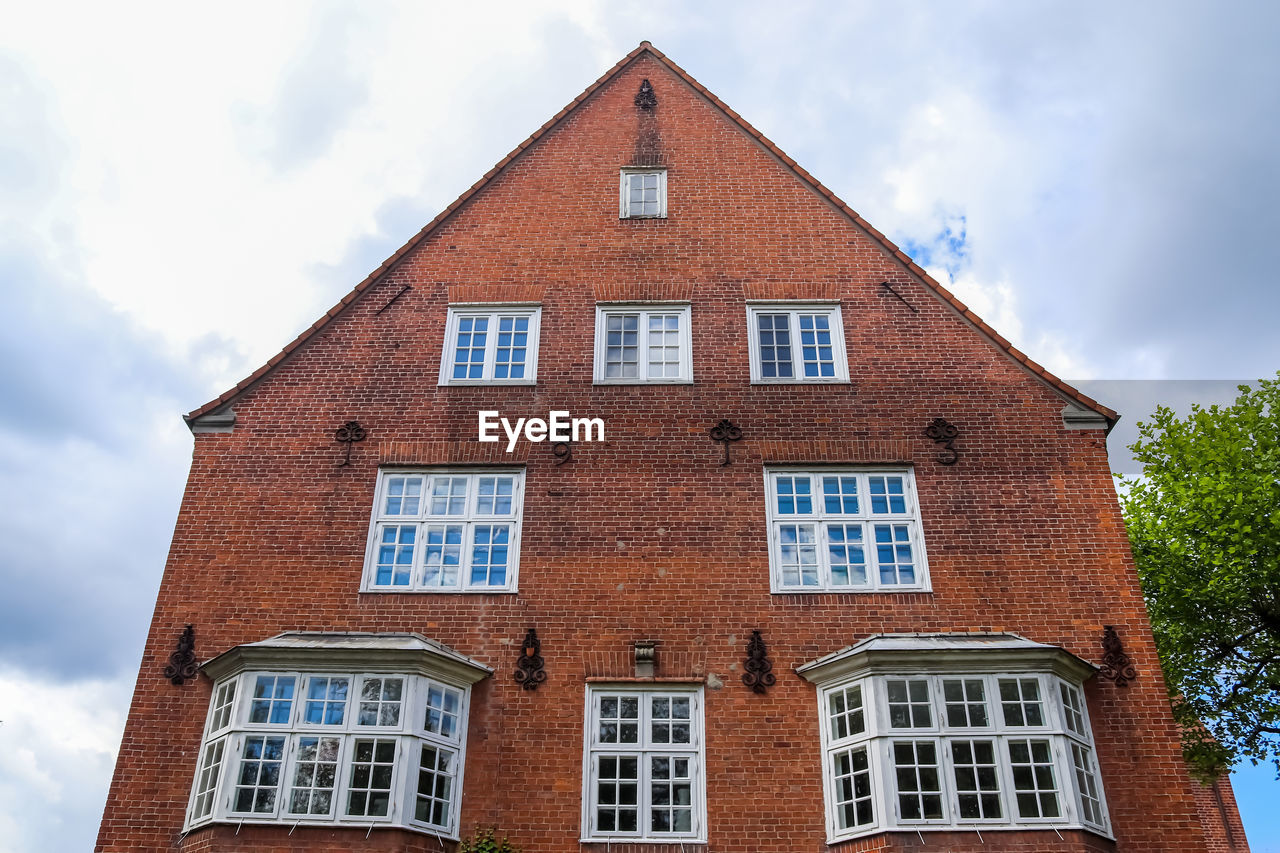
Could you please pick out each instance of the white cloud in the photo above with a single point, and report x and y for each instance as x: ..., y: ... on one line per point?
x: 58, y: 747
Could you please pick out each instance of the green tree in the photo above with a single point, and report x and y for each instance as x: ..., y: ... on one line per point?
x: 1204, y: 521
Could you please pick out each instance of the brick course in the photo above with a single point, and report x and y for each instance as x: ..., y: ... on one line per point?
x: 646, y: 535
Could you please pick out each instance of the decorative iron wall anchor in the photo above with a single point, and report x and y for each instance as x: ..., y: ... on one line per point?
x: 759, y: 671
x: 529, y: 668
x: 349, y: 433
x: 944, y: 433
x: 725, y: 432
x: 563, y: 451
x: 182, y: 663
x: 1116, y: 665
x: 645, y: 98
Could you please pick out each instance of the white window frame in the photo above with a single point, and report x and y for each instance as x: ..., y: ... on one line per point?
x: 643, y: 311
x: 469, y: 521
x: 645, y: 747
x: 793, y: 311
x: 409, y: 735
x: 624, y: 194
x: 821, y: 520
x: 878, y: 738
x: 495, y: 313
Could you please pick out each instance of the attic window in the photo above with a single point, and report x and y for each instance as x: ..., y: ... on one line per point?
x: 643, y: 194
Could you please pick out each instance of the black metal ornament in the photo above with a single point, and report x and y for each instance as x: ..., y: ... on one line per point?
x: 563, y: 451
x: 349, y: 433
x: 944, y: 433
x: 182, y: 663
x: 725, y: 432
x: 645, y: 98
x: 1116, y: 665
x: 759, y: 671
x: 529, y: 668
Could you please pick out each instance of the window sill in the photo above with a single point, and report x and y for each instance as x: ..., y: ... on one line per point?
x: 380, y: 591
x: 968, y: 829
x: 912, y: 590
x: 287, y: 824
x: 642, y: 382
x: 801, y: 382
x: 479, y: 383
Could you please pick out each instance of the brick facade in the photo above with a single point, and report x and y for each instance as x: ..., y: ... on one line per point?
x: 646, y: 535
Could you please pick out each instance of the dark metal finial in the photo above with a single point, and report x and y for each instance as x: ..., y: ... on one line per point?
x: 529, y: 668
x: 725, y: 432
x: 182, y: 663
x: 1116, y: 665
x: 759, y: 671
x: 645, y: 98
x: 348, y: 434
x: 944, y: 433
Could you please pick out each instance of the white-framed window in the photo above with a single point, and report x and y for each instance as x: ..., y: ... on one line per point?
x: 643, y: 194
x: 844, y: 530
x: 957, y: 749
x: 491, y: 345
x: 643, y: 343
x: 644, y: 764
x: 796, y: 342
x: 333, y: 748
x: 454, y: 530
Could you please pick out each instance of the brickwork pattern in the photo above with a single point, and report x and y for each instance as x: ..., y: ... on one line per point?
x: 646, y: 535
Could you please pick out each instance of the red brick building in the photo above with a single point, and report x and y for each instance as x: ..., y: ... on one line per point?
x: 824, y: 562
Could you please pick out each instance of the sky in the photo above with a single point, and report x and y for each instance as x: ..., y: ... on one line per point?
x: 184, y: 188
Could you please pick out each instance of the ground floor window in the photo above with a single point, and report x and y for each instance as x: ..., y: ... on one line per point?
x: 952, y: 748
x: 644, y: 768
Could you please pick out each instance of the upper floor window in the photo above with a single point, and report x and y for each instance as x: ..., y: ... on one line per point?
x: 844, y: 530
x: 644, y: 194
x: 445, y: 531
x: 797, y: 342
x: 643, y: 343
x: 645, y: 774
x: 491, y: 345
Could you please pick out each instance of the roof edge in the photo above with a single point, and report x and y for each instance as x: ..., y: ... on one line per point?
x: 1071, y: 394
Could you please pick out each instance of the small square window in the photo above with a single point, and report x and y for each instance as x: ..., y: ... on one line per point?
x: 643, y: 343
x: 795, y: 342
x: 491, y: 345
x: 644, y: 194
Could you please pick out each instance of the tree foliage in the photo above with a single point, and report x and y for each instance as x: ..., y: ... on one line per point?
x: 1204, y: 521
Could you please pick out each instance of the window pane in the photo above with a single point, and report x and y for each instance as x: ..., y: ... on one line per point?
x: 380, y: 700
x: 315, y: 770
x: 893, y: 554
x: 977, y: 779
x: 918, y: 783
x: 443, y: 555
x: 909, y: 705
x: 852, y: 771
x: 372, y: 774
x: 396, y: 544
x: 326, y: 700
x: 258, y: 778
x: 468, y: 353
x: 775, y: 345
x: 966, y: 704
x: 798, y: 554
x: 434, y: 797
x: 1033, y: 779
x: 846, y: 712
x: 272, y: 699
x: 845, y: 552
x: 403, y: 496
x: 1020, y: 702
x: 794, y: 495
x: 816, y: 352
x: 1087, y: 785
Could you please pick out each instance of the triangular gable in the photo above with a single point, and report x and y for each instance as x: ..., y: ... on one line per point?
x: 1082, y: 410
